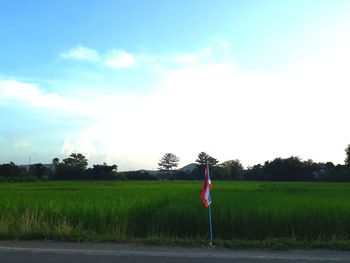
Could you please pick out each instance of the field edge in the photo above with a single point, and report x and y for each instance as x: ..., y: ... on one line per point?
x: 268, y: 244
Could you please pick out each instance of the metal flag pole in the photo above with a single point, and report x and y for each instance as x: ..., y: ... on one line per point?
x: 209, y: 211
x: 210, y: 227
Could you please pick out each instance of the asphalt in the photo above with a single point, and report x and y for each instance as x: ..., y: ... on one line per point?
x: 62, y: 252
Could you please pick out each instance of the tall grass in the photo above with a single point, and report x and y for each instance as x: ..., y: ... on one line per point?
x: 126, y: 210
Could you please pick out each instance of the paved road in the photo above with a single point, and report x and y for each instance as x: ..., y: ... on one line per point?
x: 61, y: 252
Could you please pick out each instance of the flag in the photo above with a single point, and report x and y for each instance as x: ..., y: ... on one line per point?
x: 205, y: 195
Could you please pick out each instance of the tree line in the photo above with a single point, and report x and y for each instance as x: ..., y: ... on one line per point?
x: 75, y: 167
x: 279, y: 169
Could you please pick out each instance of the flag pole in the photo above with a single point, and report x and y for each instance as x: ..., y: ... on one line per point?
x: 205, y: 195
x: 210, y: 227
x: 209, y: 211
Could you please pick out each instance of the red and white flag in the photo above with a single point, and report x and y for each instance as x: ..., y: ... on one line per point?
x: 205, y: 195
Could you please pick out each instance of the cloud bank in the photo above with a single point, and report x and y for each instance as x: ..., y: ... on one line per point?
x: 206, y: 103
x: 81, y: 53
x: 114, y: 58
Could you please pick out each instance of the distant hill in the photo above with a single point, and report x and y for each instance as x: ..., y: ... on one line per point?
x: 189, y: 168
x: 151, y: 172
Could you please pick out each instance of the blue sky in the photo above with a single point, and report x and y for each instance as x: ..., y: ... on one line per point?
x: 126, y: 81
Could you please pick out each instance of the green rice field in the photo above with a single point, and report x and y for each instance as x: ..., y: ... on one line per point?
x: 123, y: 211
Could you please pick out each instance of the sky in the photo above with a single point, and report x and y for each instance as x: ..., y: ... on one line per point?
x: 125, y: 81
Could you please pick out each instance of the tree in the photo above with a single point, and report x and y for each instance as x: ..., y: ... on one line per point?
x: 233, y: 169
x: 38, y: 170
x: 347, y: 159
x: 255, y: 172
x: 55, y: 161
x: 71, y: 168
x: 76, y: 160
x: 347, y: 163
x: 10, y: 170
x: 102, y: 172
x: 204, y: 158
x: 289, y: 169
x: 168, y: 162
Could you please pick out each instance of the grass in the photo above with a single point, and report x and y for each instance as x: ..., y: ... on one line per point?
x: 245, y: 214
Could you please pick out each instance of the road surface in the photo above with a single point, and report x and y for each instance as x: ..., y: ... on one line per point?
x: 62, y: 252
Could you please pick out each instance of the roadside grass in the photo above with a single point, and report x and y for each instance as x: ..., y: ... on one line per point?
x: 245, y: 214
x: 272, y: 244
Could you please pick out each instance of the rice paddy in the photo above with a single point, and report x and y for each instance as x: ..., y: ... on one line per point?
x: 122, y: 211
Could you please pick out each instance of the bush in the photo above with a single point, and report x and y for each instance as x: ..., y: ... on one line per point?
x: 22, y: 179
x: 44, y: 178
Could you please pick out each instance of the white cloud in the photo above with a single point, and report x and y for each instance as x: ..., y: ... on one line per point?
x: 17, y: 90
x: 213, y: 106
x: 81, y: 53
x: 216, y: 108
x: 224, y: 44
x: 21, y: 144
x: 113, y: 58
x: 32, y: 95
x: 82, y: 145
x: 120, y: 59
x: 186, y: 59
x: 203, y: 56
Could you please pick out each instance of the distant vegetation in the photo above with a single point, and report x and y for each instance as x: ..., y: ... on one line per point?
x: 75, y: 167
